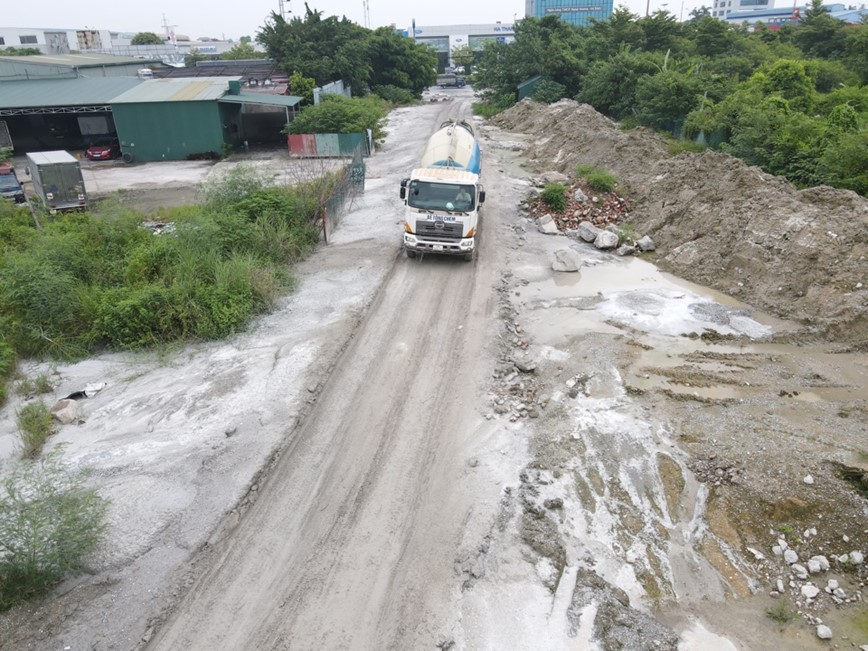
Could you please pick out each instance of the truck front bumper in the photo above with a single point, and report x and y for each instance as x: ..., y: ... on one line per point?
x: 449, y: 247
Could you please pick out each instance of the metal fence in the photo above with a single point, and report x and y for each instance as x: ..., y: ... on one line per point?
x: 350, y: 183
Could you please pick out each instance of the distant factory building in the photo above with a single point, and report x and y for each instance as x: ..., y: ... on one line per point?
x: 443, y: 39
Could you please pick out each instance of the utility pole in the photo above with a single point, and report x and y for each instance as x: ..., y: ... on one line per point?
x: 283, y: 10
x: 366, y: 11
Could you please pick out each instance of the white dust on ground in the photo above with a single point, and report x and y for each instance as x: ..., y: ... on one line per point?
x: 177, y: 437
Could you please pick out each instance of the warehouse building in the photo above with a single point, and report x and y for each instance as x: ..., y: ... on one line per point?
x: 158, y: 119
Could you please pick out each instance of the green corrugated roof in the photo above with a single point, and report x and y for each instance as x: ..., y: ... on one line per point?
x: 79, y: 60
x: 63, y: 92
x: 262, y: 98
x: 195, y: 89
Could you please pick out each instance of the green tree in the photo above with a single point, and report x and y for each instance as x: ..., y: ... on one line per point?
x: 664, y: 100
x: 395, y: 60
x: 193, y: 57
x: 711, y: 37
x: 245, y: 40
x: 462, y: 55
x: 146, y: 38
x: 820, y: 35
x: 548, y: 46
x: 242, y: 51
x: 610, y: 86
x: 856, y: 51
x: 20, y: 51
x: 302, y: 86
x: 326, y: 49
x: 699, y: 12
x: 790, y: 80
x: 662, y: 32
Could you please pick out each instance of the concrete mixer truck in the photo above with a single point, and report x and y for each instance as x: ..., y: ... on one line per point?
x: 443, y: 195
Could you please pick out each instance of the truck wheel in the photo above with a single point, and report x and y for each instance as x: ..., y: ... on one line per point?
x: 411, y: 254
x: 128, y: 157
x: 468, y: 257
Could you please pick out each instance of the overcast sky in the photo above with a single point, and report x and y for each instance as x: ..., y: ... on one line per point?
x: 234, y: 18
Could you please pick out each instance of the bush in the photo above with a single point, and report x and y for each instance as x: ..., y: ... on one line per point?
x: 339, y: 114
x: 227, y: 188
x: 492, y: 106
x: 599, y: 180
x: 35, y: 425
x: 49, y: 522
x: 394, y: 94
x: 549, y: 92
x: 554, y: 195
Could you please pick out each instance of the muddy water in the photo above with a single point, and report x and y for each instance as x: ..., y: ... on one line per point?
x: 633, y: 510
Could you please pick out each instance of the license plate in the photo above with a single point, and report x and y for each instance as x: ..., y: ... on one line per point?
x: 438, y: 247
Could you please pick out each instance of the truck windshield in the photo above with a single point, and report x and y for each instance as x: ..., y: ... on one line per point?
x: 8, y: 182
x: 451, y: 197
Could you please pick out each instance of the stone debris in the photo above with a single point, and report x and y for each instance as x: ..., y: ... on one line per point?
x: 547, y: 225
x: 606, y: 240
x: 67, y: 411
x: 566, y: 260
x: 824, y: 632
x: 645, y: 244
x: 791, y: 557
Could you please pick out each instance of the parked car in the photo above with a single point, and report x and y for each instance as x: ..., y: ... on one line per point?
x: 104, y: 149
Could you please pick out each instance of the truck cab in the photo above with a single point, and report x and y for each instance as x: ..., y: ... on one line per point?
x: 10, y: 186
x: 443, y: 196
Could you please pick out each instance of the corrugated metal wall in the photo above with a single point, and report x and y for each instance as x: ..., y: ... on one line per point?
x: 151, y: 131
x: 327, y: 145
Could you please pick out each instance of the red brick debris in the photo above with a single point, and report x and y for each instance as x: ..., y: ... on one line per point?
x: 608, y: 209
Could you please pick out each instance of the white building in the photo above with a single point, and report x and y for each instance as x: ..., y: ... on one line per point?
x: 103, y: 41
x: 445, y: 38
x: 722, y: 8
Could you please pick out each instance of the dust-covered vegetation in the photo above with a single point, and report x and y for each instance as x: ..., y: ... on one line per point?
x: 103, y: 279
x: 49, y: 522
x: 35, y: 425
x: 792, y: 101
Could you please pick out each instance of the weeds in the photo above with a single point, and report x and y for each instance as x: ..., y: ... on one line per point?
x: 49, y: 522
x: 554, y: 195
x: 678, y: 146
x: 599, y: 180
x: 35, y: 425
x: 781, y: 611
x: 35, y: 386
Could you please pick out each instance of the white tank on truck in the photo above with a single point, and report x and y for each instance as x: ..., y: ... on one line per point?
x: 57, y: 180
x: 443, y: 195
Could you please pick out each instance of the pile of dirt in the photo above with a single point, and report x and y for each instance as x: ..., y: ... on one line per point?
x: 799, y: 254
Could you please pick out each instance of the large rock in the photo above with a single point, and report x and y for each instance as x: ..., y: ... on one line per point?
x: 588, y: 232
x: 645, y: 244
x: 547, y: 225
x: 67, y: 411
x: 554, y: 177
x: 566, y: 260
x: 606, y: 240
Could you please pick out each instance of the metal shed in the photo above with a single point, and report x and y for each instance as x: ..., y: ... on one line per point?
x: 178, y: 119
x: 173, y: 119
x: 58, y: 113
x: 57, y: 66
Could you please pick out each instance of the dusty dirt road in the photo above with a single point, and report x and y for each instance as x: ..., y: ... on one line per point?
x: 418, y: 454
x: 359, y: 519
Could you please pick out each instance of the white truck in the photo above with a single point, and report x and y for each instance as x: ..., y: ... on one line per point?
x: 443, y: 195
x: 57, y: 180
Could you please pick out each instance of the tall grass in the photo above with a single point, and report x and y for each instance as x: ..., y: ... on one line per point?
x: 99, y: 279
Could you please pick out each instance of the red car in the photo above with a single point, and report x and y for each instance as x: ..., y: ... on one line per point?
x: 103, y: 150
